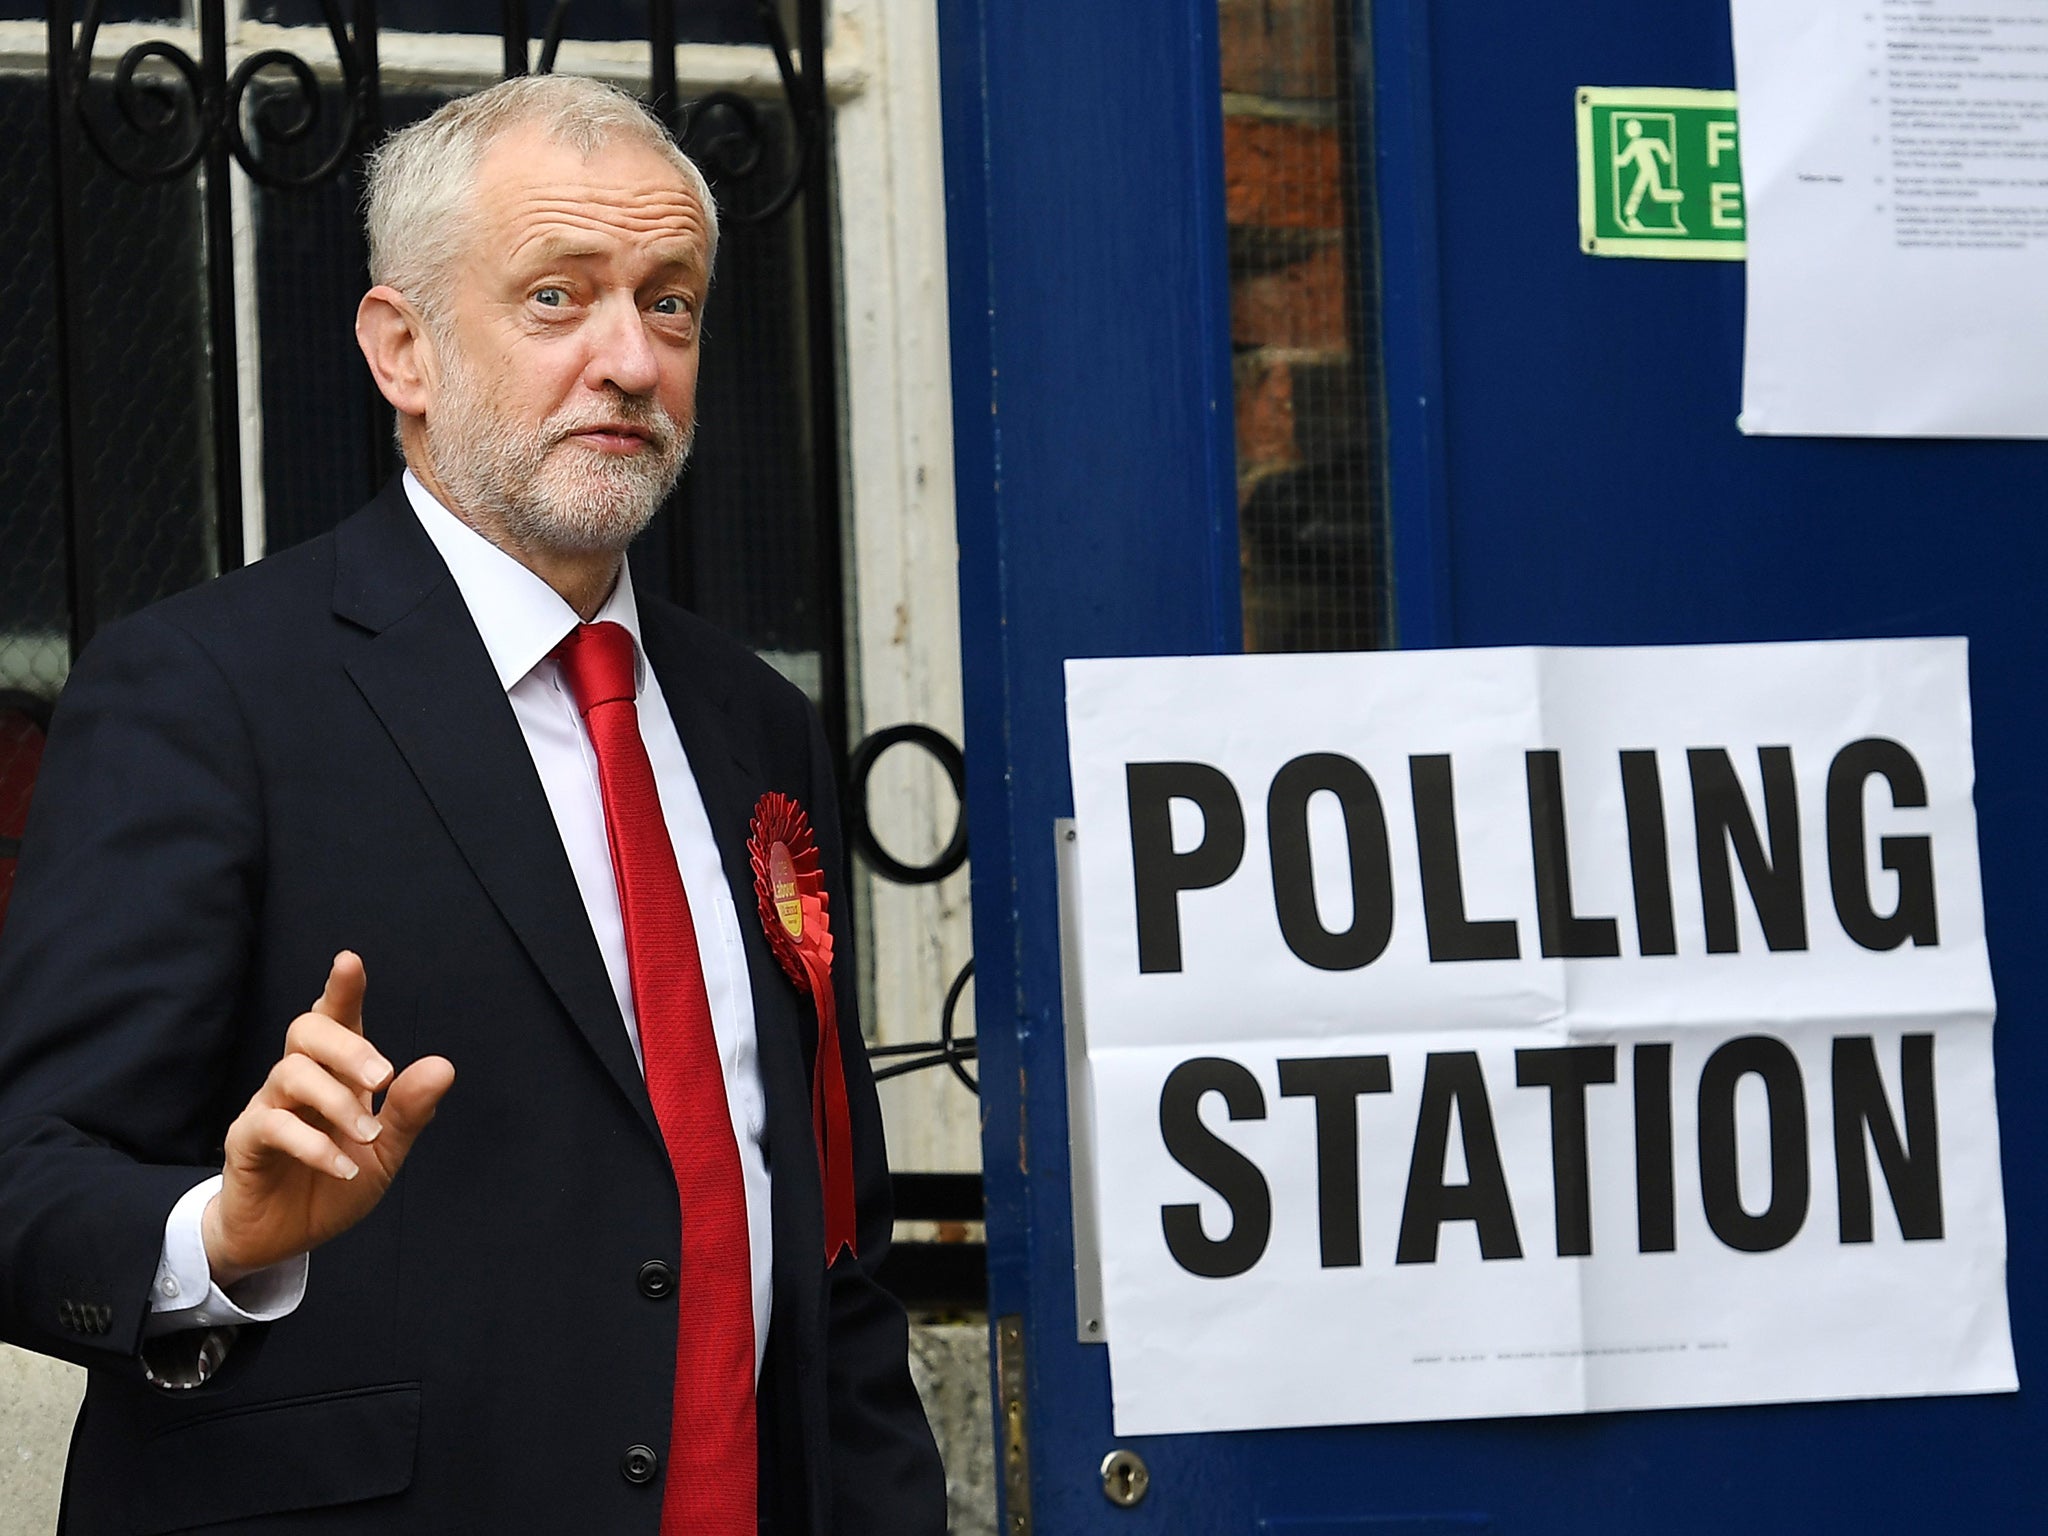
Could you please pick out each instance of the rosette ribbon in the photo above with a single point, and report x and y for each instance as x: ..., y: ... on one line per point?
x: 790, y: 888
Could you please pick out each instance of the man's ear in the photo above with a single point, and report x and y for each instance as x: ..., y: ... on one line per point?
x: 398, y: 349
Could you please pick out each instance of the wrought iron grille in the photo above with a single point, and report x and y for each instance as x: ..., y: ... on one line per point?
x: 167, y: 118
x: 143, y: 274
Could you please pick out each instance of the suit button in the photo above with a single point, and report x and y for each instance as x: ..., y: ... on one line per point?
x: 656, y: 1280
x: 639, y: 1464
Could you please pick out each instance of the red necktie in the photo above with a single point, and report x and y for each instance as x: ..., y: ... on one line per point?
x: 712, y: 1487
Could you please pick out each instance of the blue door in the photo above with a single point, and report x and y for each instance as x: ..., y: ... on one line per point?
x: 1563, y: 467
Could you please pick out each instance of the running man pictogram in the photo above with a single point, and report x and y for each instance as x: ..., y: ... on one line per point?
x: 1649, y: 156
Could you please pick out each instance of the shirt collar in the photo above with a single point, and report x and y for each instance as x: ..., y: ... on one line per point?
x: 520, y: 617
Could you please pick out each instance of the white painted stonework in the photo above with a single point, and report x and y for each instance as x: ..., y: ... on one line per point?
x: 903, y: 551
x: 38, y: 1401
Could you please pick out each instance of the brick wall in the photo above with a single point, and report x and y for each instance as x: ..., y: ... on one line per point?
x: 1308, y: 482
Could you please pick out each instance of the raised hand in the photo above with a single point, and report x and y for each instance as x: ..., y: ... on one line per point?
x: 310, y: 1155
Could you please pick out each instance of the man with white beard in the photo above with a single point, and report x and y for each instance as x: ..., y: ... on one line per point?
x: 626, y: 1282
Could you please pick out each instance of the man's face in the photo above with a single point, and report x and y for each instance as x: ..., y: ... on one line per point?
x: 565, y: 379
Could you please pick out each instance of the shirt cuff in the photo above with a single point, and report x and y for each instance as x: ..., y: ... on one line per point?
x: 184, y: 1295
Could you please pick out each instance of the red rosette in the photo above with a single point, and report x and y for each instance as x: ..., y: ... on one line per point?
x: 789, y: 888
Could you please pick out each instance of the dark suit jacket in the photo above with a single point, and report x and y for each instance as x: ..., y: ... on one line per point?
x: 315, y: 753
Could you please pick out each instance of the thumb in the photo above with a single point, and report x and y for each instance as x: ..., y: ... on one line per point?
x: 410, y: 1102
x: 342, y: 998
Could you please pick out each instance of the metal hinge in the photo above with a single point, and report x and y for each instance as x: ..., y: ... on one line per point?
x: 1016, y: 1426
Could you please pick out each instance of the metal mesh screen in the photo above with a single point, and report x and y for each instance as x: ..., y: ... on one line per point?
x: 35, y: 651
x: 140, y: 449
x: 326, y: 435
x: 744, y: 524
x: 1311, y: 533
x: 138, y: 476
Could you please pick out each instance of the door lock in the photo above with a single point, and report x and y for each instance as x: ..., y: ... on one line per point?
x: 1125, y: 1477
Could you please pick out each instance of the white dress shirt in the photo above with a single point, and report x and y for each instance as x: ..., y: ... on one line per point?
x: 522, y: 619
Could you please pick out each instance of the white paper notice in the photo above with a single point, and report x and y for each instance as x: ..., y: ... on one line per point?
x: 1477, y: 1033
x: 1895, y: 166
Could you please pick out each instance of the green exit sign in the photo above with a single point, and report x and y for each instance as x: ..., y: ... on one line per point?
x: 1660, y: 174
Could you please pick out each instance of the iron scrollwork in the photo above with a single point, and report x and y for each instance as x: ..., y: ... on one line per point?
x: 859, y: 828
x: 212, y: 104
x: 723, y: 131
x: 951, y: 1050
x: 184, y: 104
x: 147, y: 106
x: 284, y: 120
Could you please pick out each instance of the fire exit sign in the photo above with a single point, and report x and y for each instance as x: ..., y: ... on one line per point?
x: 1660, y: 174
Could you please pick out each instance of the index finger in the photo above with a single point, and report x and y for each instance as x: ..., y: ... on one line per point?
x: 342, y: 998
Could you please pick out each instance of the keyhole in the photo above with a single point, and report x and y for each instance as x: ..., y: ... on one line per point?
x: 1124, y: 1478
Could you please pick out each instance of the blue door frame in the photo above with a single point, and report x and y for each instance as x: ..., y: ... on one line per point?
x: 1563, y: 469
x: 1097, y: 513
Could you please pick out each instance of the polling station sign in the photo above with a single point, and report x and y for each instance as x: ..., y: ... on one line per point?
x: 1496, y: 1032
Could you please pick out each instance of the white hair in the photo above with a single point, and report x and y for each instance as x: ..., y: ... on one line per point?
x: 417, y: 202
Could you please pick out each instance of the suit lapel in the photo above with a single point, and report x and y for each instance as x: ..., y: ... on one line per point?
x: 429, y: 680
